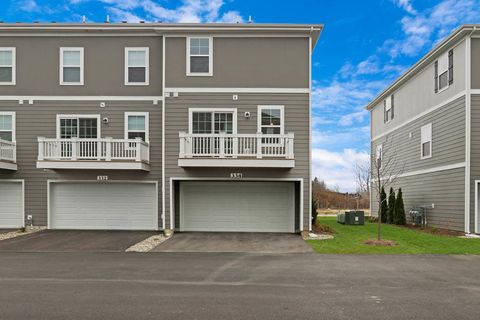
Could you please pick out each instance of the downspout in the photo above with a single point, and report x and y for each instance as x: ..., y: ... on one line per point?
x: 468, y: 133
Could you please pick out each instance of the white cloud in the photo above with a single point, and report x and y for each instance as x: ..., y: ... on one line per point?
x: 29, y: 6
x: 336, y: 168
x: 354, y: 117
x: 406, y: 5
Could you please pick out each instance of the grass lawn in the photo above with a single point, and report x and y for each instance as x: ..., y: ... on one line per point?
x: 349, y: 240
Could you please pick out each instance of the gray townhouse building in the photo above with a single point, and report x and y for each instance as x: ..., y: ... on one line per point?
x: 428, y: 121
x: 192, y: 127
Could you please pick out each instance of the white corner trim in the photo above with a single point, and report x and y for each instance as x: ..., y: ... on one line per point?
x: 477, y: 228
x: 418, y: 116
x: 147, y: 123
x: 13, y: 66
x: 93, y: 165
x: 468, y: 130
x: 81, y: 66
x: 310, y: 49
x: 154, y: 99
x: 146, y: 50
x: 236, y: 90
x: 210, y: 57
x: 163, y: 139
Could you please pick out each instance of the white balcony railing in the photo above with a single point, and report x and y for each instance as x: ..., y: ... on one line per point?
x: 8, y: 151
x: 104, y: 149
x: 255, y: 145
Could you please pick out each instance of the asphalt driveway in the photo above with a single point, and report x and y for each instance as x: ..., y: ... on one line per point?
x: 74, y: 241
x: 234, y: 242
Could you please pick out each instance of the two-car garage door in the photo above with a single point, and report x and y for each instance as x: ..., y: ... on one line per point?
x: 237, y: 206
x: 103, y: 206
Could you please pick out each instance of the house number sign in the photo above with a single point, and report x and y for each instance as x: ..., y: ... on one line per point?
x: 102, y: 178
x: 236, y: 175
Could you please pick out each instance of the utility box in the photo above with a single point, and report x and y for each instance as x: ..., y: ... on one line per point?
x: 352, y: 218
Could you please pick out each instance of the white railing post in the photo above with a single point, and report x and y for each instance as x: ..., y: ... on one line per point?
x: 41, y: 148
x: 99, y: 149
x: 138, y: 149
x: 14, y: 152
x: 108, y: 148
x: 182, y: 137
x: 235, y: 146
x: 289, y: 146
x: 222, y: 145
x: 74, y: 149
x: 259, y: 145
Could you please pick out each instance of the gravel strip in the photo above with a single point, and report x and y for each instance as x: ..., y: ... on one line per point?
x: 19, y: 233
x: 147, y: 244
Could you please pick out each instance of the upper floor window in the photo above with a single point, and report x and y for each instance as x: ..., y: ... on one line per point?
x: 71, y: 66
x: 78, y: 126
x: 444, y: 71
x: 7, y: 66
x: 426, y: 141
x: 136, y: 125
x: 389, y: 109
x: 7, y: 126
x: 136, y: 66
x: 270, y: 119
x: 210, y: 121
x: 199, y: 56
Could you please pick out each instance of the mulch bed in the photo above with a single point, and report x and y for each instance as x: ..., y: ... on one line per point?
x: 322, y: 229
x: 385, y: 243
x: 435, y: 231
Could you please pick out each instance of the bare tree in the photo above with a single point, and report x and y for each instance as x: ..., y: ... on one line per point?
x: 385, y: 171
x: 362, y: 174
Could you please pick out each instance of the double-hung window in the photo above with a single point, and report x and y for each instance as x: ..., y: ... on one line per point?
x: 426, y: 141
x: 136, y: 125
x: 270, y: 119
x: 388, y: 109
x: 199, y: 56
x: 7, y: 66
x: 137, y: 66
x: 443, y: 71
x: 7, y: 126
x: 71, y: 66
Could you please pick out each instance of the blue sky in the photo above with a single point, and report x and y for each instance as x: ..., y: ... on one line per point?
x: 364, y: 47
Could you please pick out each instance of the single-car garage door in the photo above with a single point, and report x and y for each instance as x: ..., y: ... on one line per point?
x: 237, y: 206
x: 11, y: 204
x: 103, y: 206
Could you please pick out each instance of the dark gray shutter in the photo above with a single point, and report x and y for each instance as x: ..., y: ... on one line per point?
x: 436, y: 76
x: 385, y: 111
x: 393, y: 107
x: 450, y: 67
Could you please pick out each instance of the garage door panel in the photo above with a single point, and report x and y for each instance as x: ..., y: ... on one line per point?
x: 105, y: 206
x: 237, y: 206
x: 11, y: 208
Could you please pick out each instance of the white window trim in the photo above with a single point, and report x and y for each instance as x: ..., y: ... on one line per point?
x: 147, y: 66
x: 14, y: 66
x: 62, y: 50
x: 282, y: 116
x: 210, y: 58
x: 440, y: 72
x: 147, y: 120
x: 212, y: 110
x: 78, y: 116
x: 14, y: 124
x: 422, y: 141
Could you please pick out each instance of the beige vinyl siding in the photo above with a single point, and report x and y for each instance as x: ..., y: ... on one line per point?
x: 445, y: 189
x: 244, y: 62
x: 417, y: 95
x: 296, y: 121
x: 104, y: 60
x: 40, y: 120
x: 448, y: 139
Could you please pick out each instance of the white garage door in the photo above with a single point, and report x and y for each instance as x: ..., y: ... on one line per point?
x: 11, y: 204
x: 103, y: 206
x: 237, y: 206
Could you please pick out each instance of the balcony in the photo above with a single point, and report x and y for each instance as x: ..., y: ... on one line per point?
x: 104, y: 153
x: 8, y: 155
x: 236, y: 150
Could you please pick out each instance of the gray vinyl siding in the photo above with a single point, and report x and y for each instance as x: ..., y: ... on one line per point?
x: 296, y: 121
x: 475, y: 63
x: 39, y: 119
x: 418, y: 95
x: 474, y: 156
x: 244, y: 62
x: 445, y: 189
x: 104, y: 60
x: 448, y: 139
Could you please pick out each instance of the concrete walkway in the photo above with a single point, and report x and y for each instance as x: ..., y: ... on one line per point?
x: 234, y: 242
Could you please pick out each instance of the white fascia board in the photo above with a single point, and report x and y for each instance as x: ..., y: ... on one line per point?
x: 238, y: 163
x: 93, y: 165
x: 8, y: 166
x: 237, y: 90
x: 81, y: 98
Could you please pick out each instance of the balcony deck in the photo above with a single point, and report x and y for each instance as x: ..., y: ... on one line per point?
x: 8, y: 155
